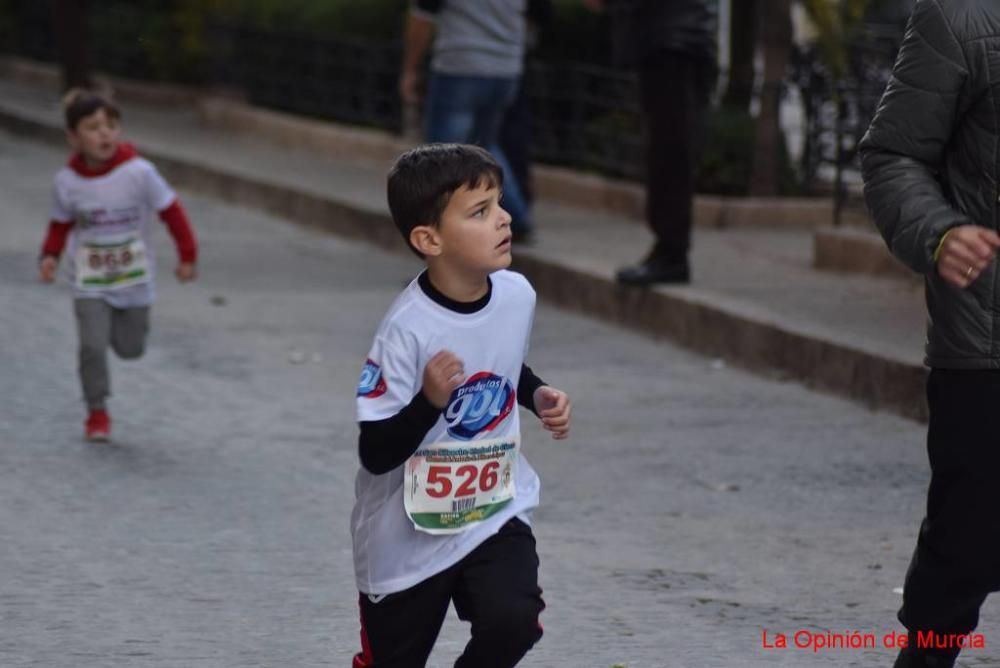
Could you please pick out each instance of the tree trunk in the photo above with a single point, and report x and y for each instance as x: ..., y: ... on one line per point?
x: 774, y: 29
x: 742, y: 40
x: 69, y: 22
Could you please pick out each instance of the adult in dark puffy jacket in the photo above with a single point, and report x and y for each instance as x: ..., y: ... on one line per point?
x: 931, y: 162
x: 672, y: 44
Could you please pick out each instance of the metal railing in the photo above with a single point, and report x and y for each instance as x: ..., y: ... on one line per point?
x: 349, y: 80
x: 838, y: 111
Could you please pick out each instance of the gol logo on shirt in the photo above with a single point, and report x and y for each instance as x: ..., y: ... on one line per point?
x: 479, y: 405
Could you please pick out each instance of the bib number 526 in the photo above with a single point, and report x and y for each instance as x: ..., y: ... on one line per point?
x: 440, y: 482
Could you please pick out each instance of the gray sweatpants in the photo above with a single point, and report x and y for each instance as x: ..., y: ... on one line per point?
x: 99, y: 325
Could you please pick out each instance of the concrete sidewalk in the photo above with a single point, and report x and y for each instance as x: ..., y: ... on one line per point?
x: 756, y: 300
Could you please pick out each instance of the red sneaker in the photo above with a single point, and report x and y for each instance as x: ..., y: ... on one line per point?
x: 98, y: 426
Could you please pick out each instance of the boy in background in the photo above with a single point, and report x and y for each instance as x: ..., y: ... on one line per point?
x: 103, y: 202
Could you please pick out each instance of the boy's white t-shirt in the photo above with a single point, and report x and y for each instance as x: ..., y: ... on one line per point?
x: 390, y: 555
x: 107, y: 209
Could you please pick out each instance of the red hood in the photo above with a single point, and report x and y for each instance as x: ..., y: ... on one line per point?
x: 124, y: 153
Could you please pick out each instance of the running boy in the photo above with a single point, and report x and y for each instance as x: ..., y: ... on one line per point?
x: 103, y: 203
x: 444, y: 496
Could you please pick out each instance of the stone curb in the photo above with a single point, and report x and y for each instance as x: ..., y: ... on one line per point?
x: 705, y: 324
x: 856, y: 251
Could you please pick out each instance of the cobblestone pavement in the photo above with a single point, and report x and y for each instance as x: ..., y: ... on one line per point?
x: 694, y: 508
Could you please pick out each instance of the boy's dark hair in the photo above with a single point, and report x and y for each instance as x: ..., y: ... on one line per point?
x: 79, y: 103
x: 423, y: 180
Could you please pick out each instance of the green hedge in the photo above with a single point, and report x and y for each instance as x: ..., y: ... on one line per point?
x: 371, y: 19
x: 727, y: 160
x: 170, y: 40
x: 576, y: 34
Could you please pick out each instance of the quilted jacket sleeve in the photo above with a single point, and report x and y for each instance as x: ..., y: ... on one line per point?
x: 904, y: 149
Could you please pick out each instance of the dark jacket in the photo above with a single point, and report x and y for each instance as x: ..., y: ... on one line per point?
x: 930, y: 163
x: 640, y: 28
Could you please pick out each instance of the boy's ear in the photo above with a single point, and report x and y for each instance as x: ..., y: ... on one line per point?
x: 426, y: 240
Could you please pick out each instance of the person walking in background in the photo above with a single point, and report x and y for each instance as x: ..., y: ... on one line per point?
x: 931, y: 174
x: 476, y: 67
x: 673, y: 47
x: 102, y: 206
x: 516, y: 130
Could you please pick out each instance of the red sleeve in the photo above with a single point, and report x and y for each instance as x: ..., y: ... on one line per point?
x: 182, y: 232
x: 55, y: 240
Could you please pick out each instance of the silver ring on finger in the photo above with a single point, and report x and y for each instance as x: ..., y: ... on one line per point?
x: 968, y: 272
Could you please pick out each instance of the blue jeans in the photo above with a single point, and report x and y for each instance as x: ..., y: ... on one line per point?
x: 470, y: 110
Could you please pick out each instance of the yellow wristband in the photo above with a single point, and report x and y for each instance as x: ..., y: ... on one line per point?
x: 937, y: 251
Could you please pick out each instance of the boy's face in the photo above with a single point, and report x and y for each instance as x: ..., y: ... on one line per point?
x: 96, y: 137
x: 474, y: 231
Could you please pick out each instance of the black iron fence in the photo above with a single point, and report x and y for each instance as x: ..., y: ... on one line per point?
x: 837, y: 111
x: 348, y: 80
x: 583, y: 116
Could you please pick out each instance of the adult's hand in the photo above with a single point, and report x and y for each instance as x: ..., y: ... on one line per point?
x: 416, y: 42
x: 965, y: 252
x: 409, y: 87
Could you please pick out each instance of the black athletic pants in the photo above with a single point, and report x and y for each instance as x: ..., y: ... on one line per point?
x: 957, y: 559
x: 495, y: 588
x: 675, y: 89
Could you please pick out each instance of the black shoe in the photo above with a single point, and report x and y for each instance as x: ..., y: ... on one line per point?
x: 654, y: 270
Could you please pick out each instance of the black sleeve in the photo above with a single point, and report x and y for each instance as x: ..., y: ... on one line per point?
x: 905, y: 146
x: 429, y: 6
x: 526, y: 386
x: 386, y: 444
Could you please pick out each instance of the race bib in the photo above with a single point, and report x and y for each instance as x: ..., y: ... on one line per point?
x: 451, y: 486
x: 110, y: 265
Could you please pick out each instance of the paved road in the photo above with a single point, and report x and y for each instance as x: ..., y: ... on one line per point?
x: 694, y: 508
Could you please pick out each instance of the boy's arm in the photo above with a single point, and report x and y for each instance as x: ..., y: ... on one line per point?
x: 386, y: 444
x: 527, y: 383
x: 52, y: 248
x: 176, y: 220
x: 164, y: 201
x: 550, y: 405
x: 55, y: 240
x: 61, y: 221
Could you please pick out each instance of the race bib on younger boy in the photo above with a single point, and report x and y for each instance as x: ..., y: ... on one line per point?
x: 111, y: 264
x: 451, y: 486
